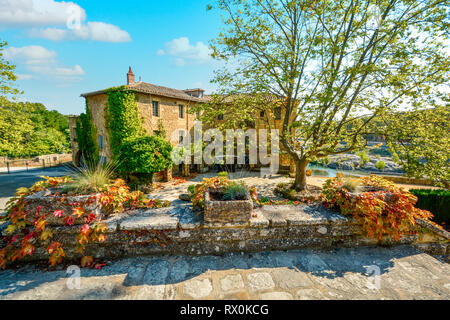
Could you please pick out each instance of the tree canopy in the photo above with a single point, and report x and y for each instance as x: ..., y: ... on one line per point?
x: 29, y: 129
x: 7, y: 76
x: 338, y: 65
x: 421, y: 142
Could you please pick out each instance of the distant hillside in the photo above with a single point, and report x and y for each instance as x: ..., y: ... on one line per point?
x: 29, y: 129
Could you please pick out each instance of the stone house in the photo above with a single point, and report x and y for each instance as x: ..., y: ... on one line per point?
x: 159, y: 106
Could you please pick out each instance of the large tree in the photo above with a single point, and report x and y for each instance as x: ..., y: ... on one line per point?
x: 337, y: 65
x: 421, y: 142
x: 7, y: 76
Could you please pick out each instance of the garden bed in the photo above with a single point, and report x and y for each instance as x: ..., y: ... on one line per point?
x: 286, y: 191
x: 179, y: 230
x: 218, y: 210
x: 128, y: 223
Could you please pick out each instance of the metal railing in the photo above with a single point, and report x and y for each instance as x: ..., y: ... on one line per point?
x: 18, y: 165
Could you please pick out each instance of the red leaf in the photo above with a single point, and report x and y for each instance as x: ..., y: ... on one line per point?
x: 86, y: 261
x: 58, y: 213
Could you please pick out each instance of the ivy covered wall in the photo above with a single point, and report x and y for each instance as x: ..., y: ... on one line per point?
x: 122, y: 117
x: 87, y: 137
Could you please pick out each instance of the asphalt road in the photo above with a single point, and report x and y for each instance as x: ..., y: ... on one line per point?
x: 10, y: 182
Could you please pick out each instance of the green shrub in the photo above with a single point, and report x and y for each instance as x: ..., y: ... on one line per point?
x: 264, y: 200
x: 363, y: 156
x: 223, y: 174
x: 87, y: 137
x: 91, y: 178
x: 380, y: 165
x: 435, y: 201
x: 191, y: 189
x: 144, y: 156
x: 351, y: 184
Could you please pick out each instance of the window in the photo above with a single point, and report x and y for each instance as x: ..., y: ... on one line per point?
x: 181, y: 111
x: 155, y: 108
x: 100, y: 142
x: 220, y: 117
x: 277, y: 112
x: 262, y: 114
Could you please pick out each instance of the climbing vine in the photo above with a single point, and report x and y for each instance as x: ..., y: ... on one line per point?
x: 383, y: 209
x: 87, y: 137
x: 122, y: 117
x: 29, y: 228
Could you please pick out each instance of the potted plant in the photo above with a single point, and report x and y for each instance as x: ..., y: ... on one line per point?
x: 230, y: 203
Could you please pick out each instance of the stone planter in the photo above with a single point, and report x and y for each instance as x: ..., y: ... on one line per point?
x: 236, y: 211
x: 49, y: 204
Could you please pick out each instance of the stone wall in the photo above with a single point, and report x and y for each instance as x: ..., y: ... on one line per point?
x: 175, y: 230
x: 168, y: 114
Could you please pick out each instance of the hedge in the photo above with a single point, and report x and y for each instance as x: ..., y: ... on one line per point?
x: 436, y: 201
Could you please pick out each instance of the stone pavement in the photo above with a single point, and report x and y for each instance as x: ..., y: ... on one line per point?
x: 364, y: 273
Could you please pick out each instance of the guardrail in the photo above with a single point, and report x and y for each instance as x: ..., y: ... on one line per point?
x: 9, y: 165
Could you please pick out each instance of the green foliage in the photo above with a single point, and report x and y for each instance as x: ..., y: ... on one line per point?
x: 287, y: 191
x: 328, y: 62
x: 161, y: 130
x: 435, y: 201
x: 29, y: 129
x: 122, y: 117
x: 351, y: 184
x: 234, y: 191
x: 223, y: 174
x: 324, y: 161
x: 421, y: 140
x: 395, y: 158
x: 198, y: 191
x: 87, y: 137
x: 144, y: 155
x: 364, y: 158
x: 380, y: 165
x: 7, y: 76
x: 191, y: 189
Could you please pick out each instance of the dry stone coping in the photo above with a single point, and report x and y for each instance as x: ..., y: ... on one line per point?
x: 183, y: 217
x: 297, y: 215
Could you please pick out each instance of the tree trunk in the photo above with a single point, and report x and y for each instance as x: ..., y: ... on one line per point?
x: 300, y: 174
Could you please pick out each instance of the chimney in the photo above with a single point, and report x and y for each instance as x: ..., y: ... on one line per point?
x: 198, y: 93
x: 130, y: 77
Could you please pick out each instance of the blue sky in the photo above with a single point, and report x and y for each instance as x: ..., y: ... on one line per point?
x: 63, y: 49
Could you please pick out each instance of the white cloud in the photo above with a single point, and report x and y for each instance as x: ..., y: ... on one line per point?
x: 99, y: 31
x: 33, y: 13
x: 24, y: 77
x: 53, y: 20
x: 54, y: 34
x: 30, y: 55
x: 96, y: 31
x: 42, y: 62
x: 184, y: 52
x: 67, y: 72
